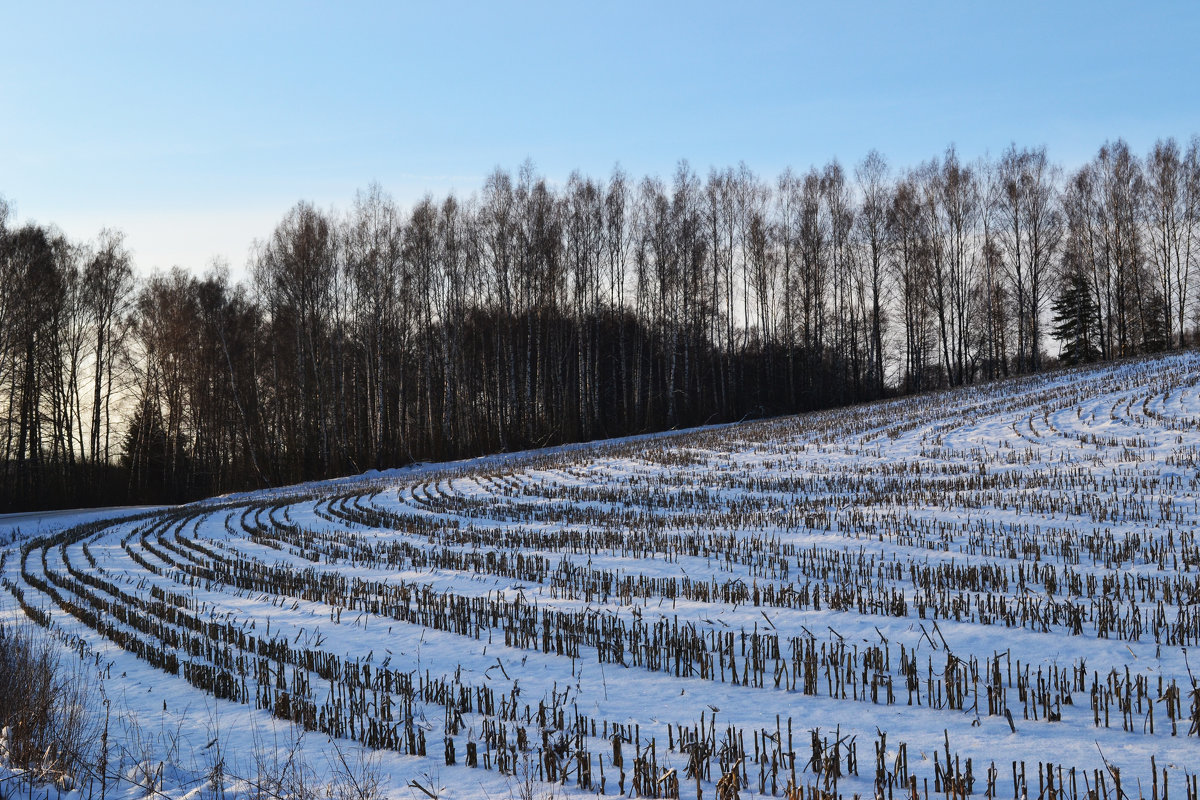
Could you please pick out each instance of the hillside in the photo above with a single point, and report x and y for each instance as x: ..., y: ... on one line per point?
x: 987, y: 591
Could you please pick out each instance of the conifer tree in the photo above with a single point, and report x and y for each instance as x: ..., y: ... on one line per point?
x: 1075, y: 320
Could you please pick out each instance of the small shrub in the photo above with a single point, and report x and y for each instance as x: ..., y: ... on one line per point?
x: 44, y: 715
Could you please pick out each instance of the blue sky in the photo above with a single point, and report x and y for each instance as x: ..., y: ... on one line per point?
x: 193, y: 127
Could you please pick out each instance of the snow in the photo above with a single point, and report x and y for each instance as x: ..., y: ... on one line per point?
x: 1071, y: 497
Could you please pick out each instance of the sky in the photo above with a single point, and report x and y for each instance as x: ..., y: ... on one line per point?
x: 194, y: 127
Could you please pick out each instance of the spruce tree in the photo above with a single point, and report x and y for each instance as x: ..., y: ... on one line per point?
x: 1075, y: 320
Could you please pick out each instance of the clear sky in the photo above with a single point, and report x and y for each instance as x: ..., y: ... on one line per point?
x: 193, y: 127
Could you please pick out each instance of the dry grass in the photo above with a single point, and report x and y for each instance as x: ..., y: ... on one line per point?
x: 44, y: 707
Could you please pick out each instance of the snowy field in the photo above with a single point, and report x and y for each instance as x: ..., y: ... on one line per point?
x: 992, y: 591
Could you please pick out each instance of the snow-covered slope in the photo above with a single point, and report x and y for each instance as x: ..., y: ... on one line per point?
x: 936, y: 594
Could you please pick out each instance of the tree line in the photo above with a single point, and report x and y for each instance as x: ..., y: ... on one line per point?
x: 532, y: 314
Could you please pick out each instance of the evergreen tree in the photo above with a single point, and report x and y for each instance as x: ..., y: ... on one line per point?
x: 1075, y: 320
